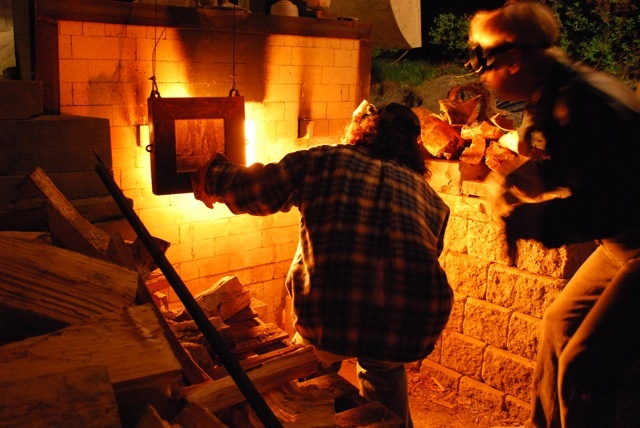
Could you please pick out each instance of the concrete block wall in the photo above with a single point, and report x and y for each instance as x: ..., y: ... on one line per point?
x: 487, y: 352
x: 105, y: 71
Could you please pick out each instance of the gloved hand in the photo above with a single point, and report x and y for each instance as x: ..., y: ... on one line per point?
x: 526, y: 178
x: 501, y: 200
x: 199, y: 184
x: 524, y: 222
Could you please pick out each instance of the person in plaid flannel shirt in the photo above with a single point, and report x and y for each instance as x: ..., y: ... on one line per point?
x: 365, y: 281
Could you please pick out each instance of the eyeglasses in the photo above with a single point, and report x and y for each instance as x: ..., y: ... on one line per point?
x: 481, y: 60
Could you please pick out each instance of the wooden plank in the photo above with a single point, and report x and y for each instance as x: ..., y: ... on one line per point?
x: 74, y: 185
x: 66, y: 224
x: 151, y: 419
x: 194, y: 415
x: 301, y: 407
x: 250, y: 339
x: 372, y: 414
x: 188, y: 331
x: 120, y: 253
x: 59, y: 284
x: 335, y: 384
x: 221, y: 393
x: 224, y: 299
x: 79, y: 398
x: 252, y: 362
x: 129, y: 342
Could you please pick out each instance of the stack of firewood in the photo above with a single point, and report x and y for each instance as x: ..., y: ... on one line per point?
x: 470, y: 128
x: 84, y: 343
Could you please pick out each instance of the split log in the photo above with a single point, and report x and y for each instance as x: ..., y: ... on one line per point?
x: 194, y: 415
x: 314, y: 404
x: 130, y: 344
x: 255, y: 337
x: 42, y: 237
x: 151, y: 419
x: 345, y: 394
x: 61, y: 285
x: 119, y: 253
x: 188, y: 331
x: 226, y: 298
x: 221, y: 393
x: 368, y: 415
x: 295, y: 407
x: 252, y: 362
x: 66, y: 224
x: 78, y: 398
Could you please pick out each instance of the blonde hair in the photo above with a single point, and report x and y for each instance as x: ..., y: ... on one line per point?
x: 520, y: 23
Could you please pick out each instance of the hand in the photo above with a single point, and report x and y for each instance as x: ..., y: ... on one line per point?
x: 525, y: 222
x: 199, y: 185
x: 526, y: 178
x: 501, y: 200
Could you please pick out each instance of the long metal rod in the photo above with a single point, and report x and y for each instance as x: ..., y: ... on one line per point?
x: 209, y: 332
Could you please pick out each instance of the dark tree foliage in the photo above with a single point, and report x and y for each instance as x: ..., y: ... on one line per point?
x: 602, y: 33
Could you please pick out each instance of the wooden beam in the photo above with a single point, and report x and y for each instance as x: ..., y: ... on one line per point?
x: 222, y: 393
x: 130, y: 343
x: 66, y: 224
x: 60, y: 284
x: 77, y: 398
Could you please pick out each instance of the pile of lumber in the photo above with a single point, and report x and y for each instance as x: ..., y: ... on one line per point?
x: 84, y: 343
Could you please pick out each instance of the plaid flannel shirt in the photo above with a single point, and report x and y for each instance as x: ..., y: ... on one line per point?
x: 365, y: 280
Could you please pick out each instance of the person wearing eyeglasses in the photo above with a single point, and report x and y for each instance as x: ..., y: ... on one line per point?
x: 580, y: 132
x: 365, y: 281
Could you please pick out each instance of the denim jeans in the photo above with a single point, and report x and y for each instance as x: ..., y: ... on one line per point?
x: 589, y: 342
x: 381, y: 381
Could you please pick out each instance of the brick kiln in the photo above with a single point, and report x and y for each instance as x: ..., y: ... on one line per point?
x: 88, y: 345
x: 92, y: 81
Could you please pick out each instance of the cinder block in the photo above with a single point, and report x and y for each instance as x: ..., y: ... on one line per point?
x: 455, y: 237
x: 517, y: 409
x: 20, y: 99
x: 449, y: 176
x: 442, y: 376
x: 486, y: 322
x: 468, y: 207
x: 522, y: 291
x: 467, y: 275
x: 55, y: 143
x: 523, y: 335
x: 73, y: 185
x: 481, y: 398
x: 487, y: 241
x: 508, y: 372
x: 560, y: 262
x: 462, y: 354
x: 456, y: 318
